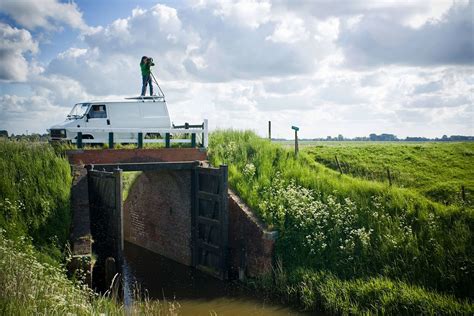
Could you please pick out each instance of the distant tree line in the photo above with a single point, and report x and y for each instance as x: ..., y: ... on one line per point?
x: 371, y: 137
x: 34, y: 137
x: 393, y: 138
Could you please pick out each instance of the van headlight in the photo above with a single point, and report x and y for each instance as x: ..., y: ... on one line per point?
x: 58, y: 133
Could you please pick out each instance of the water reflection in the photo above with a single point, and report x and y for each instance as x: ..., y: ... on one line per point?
x: 196, y: 292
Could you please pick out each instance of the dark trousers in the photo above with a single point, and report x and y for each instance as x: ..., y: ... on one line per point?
x: 147, y: 80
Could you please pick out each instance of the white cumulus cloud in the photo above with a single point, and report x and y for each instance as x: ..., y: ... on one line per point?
x: 47, y: 14
x: 14, y: 43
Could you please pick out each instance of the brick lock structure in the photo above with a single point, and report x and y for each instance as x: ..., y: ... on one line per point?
x: 157, y: 213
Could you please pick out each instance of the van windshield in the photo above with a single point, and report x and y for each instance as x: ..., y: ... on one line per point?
x: 78, y: 111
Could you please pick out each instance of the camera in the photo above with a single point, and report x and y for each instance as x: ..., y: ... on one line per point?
x: 150, y: 61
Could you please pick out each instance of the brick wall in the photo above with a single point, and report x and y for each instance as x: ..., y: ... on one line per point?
x: 157, y: 214
x: 110, y: 156
x: 251, y: 244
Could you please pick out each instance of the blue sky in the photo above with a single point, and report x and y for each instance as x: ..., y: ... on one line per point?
x: 330, y: 67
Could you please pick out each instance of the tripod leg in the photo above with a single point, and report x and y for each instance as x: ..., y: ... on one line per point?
x: 157, y: 84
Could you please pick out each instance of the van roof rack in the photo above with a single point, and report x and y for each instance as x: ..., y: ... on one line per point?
x: 159, y: 96
x: 152, y: 97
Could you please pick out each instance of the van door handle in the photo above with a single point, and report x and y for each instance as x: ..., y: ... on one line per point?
x: 108, y: 122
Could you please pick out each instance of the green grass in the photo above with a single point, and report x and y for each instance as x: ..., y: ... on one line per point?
x: 436, y: 170
x: 31, y: 287
x: 35, y: 188
x: 322, y: 290
x: 350, y: 227
x: 35, y: 184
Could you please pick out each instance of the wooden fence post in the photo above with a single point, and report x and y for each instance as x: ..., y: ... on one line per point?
x: 140, y: 140
x: 111, y: 140
x: 206, y: 134
x: 270, y: 130
x: 193, y: 140
x: 167, y: 140
x: 338, y: 164
x: 79, y: 140
x: 389, y: 177
x: 296, y: 139
x: 297, y: 149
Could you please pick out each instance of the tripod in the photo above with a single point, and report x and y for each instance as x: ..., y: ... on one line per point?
x: 161, y: 94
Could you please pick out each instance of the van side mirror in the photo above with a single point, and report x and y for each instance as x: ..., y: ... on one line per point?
x: 87, y: 117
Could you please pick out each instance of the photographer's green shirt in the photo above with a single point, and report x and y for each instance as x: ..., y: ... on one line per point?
x: 145, y: 69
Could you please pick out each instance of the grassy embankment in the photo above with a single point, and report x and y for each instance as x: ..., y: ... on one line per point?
x: 34, y: 196
x: 34, y: 225
x: 349, y: 245
x: 438, y: 171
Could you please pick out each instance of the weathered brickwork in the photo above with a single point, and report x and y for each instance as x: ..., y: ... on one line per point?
x: 81, y: 240
x: 157, y: 214
x: 251, y: 244
x: 110, y: 156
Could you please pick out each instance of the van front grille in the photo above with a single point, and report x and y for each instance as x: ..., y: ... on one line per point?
x: 58, y: 133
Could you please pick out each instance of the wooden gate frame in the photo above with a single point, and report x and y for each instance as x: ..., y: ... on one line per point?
x: 222, y: 223
x: 113, y: 240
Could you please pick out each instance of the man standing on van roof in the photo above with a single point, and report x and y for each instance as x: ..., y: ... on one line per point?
x: 145, y: 65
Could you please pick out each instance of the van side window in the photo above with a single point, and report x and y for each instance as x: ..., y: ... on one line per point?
x: 98, y: 111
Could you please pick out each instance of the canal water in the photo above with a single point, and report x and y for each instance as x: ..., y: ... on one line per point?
x: 197, y: 293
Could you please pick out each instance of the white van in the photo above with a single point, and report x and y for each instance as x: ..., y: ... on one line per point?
x: 94, y: 119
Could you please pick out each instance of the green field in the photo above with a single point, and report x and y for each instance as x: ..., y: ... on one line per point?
x: 442, y: 172
x: 348, y: 244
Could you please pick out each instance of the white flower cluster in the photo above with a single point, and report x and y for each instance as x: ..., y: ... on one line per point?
x: 39, y: 286
x: 11, y: 209
x: 327, y: 224
x: 230, y: 151
x: 249, y: 171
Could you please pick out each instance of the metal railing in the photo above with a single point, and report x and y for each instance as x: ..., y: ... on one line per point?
x: 199, y: 135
